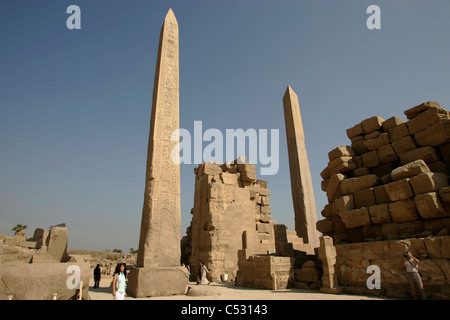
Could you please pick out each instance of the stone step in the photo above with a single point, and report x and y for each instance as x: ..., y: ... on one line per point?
x: 291, y: 233
x: 303, y: 247
x: 292, y: 237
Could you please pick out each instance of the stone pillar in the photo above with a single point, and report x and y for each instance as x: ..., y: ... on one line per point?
x: 301, y: 183
x: 327, y: 253
x: 158, y: 271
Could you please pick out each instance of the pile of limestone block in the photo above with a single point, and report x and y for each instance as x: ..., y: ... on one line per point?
x: 392, y: 182
x: 40, y: 268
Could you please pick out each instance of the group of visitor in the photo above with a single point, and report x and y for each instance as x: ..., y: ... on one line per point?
x: 411, y: 264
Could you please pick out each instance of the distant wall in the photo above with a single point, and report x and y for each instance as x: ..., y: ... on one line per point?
x: 107, y: 260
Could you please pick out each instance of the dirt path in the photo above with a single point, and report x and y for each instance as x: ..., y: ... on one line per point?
x: 228, y: 291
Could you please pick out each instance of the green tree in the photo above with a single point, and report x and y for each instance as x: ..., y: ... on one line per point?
x: 19, y: 229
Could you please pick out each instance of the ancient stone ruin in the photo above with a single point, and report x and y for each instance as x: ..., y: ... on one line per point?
x: 388, y: 193
x: 328, y: 254
x: 36, y: 268
x: 392, y: 182
x: 231, y: 212
x: 232, y: 232
x: 266, y: 272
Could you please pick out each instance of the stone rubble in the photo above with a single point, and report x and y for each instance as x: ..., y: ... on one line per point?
x: 388, y: 193
x: 35, y: 268
x: 392, y: 182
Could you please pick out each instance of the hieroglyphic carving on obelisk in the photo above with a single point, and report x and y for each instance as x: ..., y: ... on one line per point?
x: 161, y: 217
x: 158, y: 270
x: 301, y: 182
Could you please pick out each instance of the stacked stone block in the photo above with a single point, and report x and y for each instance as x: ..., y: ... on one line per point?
x: 265, y: 271
x: 392, y: 181
x: 353, y: 259
x: 231, y: 212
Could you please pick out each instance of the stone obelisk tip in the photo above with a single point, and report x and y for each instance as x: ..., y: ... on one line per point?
x: 289, y: 91
x: 170, y: 15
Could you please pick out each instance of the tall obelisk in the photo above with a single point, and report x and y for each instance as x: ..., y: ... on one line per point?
x: 158, y: 271
x: 301, y: 182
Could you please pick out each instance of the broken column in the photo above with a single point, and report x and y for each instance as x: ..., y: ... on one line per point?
x: 301, y: 183
x: 327, y: 253
x: 158, y: 271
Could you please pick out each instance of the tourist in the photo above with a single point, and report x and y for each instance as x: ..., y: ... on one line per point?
x: 203, y: 272
x: 118, y: 283
x: 97, y: 276
x: 415, y: 280
x: 188, y: 269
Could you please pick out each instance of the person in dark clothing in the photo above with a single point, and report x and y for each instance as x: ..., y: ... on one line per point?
x: 97, y: 276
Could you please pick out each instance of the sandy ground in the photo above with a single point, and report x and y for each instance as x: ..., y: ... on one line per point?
x: 228, y: 291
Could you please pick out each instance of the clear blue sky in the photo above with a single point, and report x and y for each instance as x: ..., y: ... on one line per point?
x: 75, y: 104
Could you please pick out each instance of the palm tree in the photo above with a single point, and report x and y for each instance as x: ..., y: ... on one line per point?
x: 19, y: 229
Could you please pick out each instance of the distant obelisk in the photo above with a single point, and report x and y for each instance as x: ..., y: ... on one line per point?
x: 301, y: 182
x: 158, y: 271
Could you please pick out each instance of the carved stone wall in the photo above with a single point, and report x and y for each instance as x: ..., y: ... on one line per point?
x: 231, y: 212
x: 433, y: 253
x: 266, y: 272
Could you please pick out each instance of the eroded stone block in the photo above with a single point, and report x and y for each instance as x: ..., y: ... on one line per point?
x: 399, y: 190
x: 428, y: 182
x: 409, y: 170
x: 429, y: 206
x: 403, y: 211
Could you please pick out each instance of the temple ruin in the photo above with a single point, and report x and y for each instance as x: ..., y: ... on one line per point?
x: 388, y: 194
x: 38, y: 267
x: 231, y: 223
x: 392, y: 182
